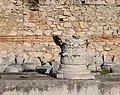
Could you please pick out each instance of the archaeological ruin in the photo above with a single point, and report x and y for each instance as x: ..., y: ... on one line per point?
x: 74, y: 34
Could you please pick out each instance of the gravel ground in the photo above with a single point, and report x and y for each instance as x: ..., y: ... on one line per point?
x: 25, y: 82
x: 36, y: 76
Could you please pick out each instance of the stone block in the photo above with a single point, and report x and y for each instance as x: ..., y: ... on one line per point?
x: 118, y: 2
x: 60, y: 27
x: 44, y: 26
x: 30, y: 25
x: 13, y: 69
x: 38, y: 32
x: 83, y: 25
x: 71, y: 72
x: 67, y: 13
x: 76, y: 24
x: 72, y: 18
x: 47, y: 32
x: 110, y: 1
x: 57, y: 33
x: 67, y: 24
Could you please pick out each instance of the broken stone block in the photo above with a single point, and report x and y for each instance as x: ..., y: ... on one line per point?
x: 13, y: 69
x: 67, y: 13
x: 44, y: 69
x: 38, y: 32
x: 67, y: 24
x: 30, y: 65
x: 74, y: 64
x: 3, y: 67
x: 55, y: 66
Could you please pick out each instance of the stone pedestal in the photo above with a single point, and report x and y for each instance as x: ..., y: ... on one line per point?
x: 72, y: 71
x: 74, y: 60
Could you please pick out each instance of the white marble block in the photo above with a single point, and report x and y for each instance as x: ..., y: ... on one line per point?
x: 74, y: 61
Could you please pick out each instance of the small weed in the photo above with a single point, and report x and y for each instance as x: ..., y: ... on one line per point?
x: 103, y: 72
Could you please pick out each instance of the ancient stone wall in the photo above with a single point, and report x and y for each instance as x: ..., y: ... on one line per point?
x: 26, y: 28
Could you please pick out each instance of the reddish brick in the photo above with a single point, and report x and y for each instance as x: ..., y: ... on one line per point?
x: 31, y: 39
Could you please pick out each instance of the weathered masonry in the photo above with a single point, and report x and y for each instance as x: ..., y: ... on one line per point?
x: 27, y: 26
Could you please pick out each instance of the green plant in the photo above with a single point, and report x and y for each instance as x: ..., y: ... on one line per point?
x: 102, y: 72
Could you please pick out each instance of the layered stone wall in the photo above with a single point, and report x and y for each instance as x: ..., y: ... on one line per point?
x: 97, y: 22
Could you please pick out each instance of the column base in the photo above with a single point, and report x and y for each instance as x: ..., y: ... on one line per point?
x: 81, y: 76
x: 74, y: 71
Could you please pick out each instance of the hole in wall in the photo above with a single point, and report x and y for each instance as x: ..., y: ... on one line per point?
x: 83, y: 1
x: 33, y: 1
x: 33, y: 5
x: 60, y: 19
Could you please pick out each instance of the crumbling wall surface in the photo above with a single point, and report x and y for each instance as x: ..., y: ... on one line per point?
x: 97, y: 22
x: 22, y: 35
